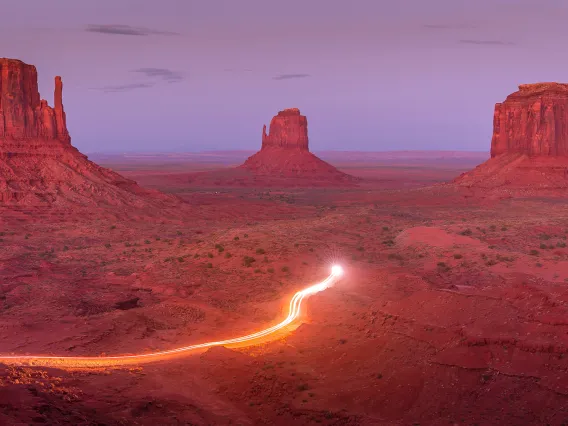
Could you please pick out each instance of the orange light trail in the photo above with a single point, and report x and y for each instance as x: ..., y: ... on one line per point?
x: 100, y: 361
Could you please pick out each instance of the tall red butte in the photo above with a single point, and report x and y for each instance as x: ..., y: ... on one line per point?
x: 529, y: 147
x: 285, y: 152
x: 38, y: 164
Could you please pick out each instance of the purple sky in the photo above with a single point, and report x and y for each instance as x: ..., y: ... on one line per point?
x: 204, y: 74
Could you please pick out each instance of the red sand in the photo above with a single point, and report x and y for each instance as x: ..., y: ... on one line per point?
x: 453, y: 309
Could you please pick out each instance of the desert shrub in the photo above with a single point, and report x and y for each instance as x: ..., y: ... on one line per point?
x: 260, y: 251
x: 107, y: 245
x: 285, y: 269
x: 180, y: 259
x: 395, y: 256
x: 343, y: 341
x: 236, y: 238
x: 302, y: 387
x: 311, y: 249
x: 196, y: 256
x: 179, y: 233
x: 466, y: 232
x: 457, y: 256
x: 27, y: 236
x: 492, y: 228
x: 561, y: 244
x: 113, y: 227
x: 538, y: 265
x: 246, y: 235
x: 533, y: 252
x: 219, y: 248
x: 210, y: 255
x: 388, y: 242
x: 209, y: 265
x: 360, y: 248
x: 65, y: 248
x: 504, y: 228
x: 304, y: 263
x: 442, y: 264
x: 257, y: 271
x: 505, y: 258
x: 147, y: 242
x: 544, y: 237
x: 385, y: 228
x: 296, y: 245
x: 543, y: 246
x: 270, y: 270
x: 228, y: 255
x: 491, y: 262
x: 248, y: 261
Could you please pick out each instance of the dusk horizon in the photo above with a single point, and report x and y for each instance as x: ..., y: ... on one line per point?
x: 178, y: 76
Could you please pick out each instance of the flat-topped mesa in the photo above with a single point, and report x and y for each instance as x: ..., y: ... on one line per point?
x: 23, y: 115
x: 532, y: 121
x: 288, y: 130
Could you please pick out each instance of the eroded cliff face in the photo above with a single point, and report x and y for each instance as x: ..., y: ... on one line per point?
x: 288, y: 130
x: 285, y: 152
x: 38, y: 164
x: 532, y: 121
x: 23, y: 115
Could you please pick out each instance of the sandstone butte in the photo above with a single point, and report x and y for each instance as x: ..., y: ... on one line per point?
x: 529, y: 146
x: 285, y: 151
x: 38, y: 164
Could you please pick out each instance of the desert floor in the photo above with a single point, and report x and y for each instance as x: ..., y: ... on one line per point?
x: 453, y: 308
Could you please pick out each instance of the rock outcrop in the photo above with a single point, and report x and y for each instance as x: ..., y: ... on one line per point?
x: 23, y: 115
x: 38, y: 164
x: 288, y: 130
x: 285, y: 152
x: 532, y: 121
x: 529, y: 147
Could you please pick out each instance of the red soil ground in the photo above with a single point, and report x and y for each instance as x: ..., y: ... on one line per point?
x: 453, y: 309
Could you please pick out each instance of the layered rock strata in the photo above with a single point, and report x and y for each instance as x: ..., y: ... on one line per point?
x: 285, y: 151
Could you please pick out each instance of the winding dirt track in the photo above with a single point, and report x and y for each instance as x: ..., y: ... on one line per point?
x: 250, y: 339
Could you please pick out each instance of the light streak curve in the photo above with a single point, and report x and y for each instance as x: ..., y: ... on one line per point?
x: 101, y: 361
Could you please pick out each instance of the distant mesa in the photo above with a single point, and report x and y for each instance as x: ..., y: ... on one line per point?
x: 38, y: 164
x: 529, y: 147
x: 285, y: 152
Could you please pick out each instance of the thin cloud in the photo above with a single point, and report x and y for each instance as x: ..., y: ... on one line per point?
x: 119, y: 29
x: 124, y: 87
x: 161, y: 73
x: 156, y: 74
x: 448, y: 26
x: 487, y: 42
x: 289, y: 76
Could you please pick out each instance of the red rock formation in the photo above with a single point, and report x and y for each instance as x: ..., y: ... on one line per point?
x: 22, y: 114
x: 38, y: 164
x: 285, y: 152
x: 532, y: 121
x: 529, y: 147
x: 288, y: 130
